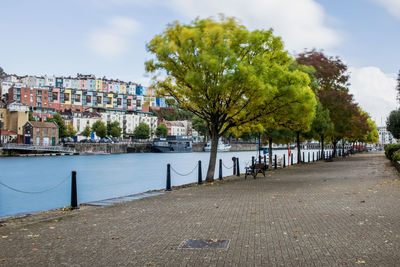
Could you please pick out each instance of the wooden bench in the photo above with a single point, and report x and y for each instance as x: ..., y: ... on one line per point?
x: 255, y: 169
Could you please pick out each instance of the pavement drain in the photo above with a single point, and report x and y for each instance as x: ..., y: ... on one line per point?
x: 205, y: 243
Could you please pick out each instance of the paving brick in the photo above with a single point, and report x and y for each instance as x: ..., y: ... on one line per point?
x: 317, y: 214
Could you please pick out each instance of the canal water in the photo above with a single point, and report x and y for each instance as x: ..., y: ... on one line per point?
x: 101, y: 176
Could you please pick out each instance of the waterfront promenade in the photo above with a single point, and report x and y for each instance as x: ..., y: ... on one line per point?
x: 345, y: 212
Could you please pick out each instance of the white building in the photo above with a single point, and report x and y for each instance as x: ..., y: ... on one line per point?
x: 385, y: 137
x: 49, y: 80
x: 81, y: 120
x: 129, y: 121
x: 177, y: 127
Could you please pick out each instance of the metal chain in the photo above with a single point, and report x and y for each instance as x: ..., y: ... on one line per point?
x: 35, y: 192
x: 187, y: 173
x: 227, y: 167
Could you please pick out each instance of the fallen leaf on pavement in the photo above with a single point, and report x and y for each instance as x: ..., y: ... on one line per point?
x: 343, y: 263
x: 360, y: 262
x: 1, y: 260
x: 4, y: 236
x: 362, y: 201
x: 35, y: 249
x: 51, y: 227
x: 296, y: 230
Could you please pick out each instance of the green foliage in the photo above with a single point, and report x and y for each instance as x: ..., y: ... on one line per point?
x: 391, y: 149
x: 113, y: 129
x: 142, y: 131
x: 62, y: 129
x: 100, y: 129
x: 31, y: 118
x: 87, y: 131
x: 199, y: 125
x: 70, y: 131
x: 162, y: 130
x: 396, y: 156
x: 2, y: 71
x: 393, y: 123
x: 228, y: 76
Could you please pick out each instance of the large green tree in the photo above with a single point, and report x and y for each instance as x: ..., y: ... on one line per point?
x: 100, y: 129
x: 142, y: 131
x: 87, y: 131
x: 113, y: 129
x: 226, y: 75
x: 162, y: 130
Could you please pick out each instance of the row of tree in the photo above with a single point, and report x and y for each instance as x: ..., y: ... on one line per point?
x: 239, y: 81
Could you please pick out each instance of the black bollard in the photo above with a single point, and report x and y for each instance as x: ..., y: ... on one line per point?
x: 220, y: 170
x: 308, y: 156
x: 304, y: 159
x: 276, y: 162
x: 238, y: 168
x: 252, y: 161
x: 284, y: 160
x: 313, y: 158
x: 168, y: 187
x: 291, y: 159
x: 234, y: 165
x: 74, y: 195
x: 200, y: 179
x: 265, y: 159
x: 259, y: 158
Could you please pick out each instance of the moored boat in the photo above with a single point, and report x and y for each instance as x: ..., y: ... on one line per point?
x: 221, y: 147
x: 173, y: 143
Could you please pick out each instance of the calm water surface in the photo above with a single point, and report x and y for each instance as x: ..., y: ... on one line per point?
x: 99, y: 177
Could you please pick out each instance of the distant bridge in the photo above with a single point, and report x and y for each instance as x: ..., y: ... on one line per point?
x: 24, y: 147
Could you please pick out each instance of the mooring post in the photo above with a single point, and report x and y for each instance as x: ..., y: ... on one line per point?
x: 291, y: 159
x: 308, y: 156
x: 200, y: 179
x: 265, y: 159
x: 259, y: 158
x: 252, y: 161
x: 276, y: 162
x: 234, y: 165
x: 313, y: 159
x: 284, y: 160
x: 238, y: 168
x: 220, y: 170
x: 168, y: 187
x: 74, y: 195
x: 304, y: 159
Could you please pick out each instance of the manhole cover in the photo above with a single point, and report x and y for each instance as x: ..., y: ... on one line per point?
x: 204, y: 243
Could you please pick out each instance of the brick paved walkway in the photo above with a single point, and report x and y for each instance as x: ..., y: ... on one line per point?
x: 345, y: 212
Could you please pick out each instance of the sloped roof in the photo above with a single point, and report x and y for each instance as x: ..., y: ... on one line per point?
x: 43, y: 124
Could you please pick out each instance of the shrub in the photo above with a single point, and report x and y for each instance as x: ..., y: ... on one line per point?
x: 396, y: 156
x: 390, y: 149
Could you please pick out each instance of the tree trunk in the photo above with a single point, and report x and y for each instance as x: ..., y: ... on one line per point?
x: 322, y: 144
x: 213, y: 158
x: 342, y: 146
x: 298, y: 148
x: 334, y: 148
x: 270, y: 152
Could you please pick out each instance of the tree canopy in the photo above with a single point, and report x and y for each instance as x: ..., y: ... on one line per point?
x: 87, y: 131
x: 113, y: 129
x: 142, y: 131
x: 393, y: 123
x: 162, y: 130
x: 100, y: 129
x: 230, y: 77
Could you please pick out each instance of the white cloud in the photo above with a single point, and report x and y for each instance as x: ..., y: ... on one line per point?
x: 301, y: 23
x: 113, y: 40
x: 374, y: 91
x: 392, y: 6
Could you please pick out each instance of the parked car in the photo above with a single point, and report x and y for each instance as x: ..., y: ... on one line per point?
x: 105, y: 140
x: 84, y: 141
x: 115, y: 140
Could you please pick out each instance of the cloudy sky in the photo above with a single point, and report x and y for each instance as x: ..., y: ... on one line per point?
x: 108, y: 37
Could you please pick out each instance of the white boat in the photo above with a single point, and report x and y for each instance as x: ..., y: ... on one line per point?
x: 221, y: 147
